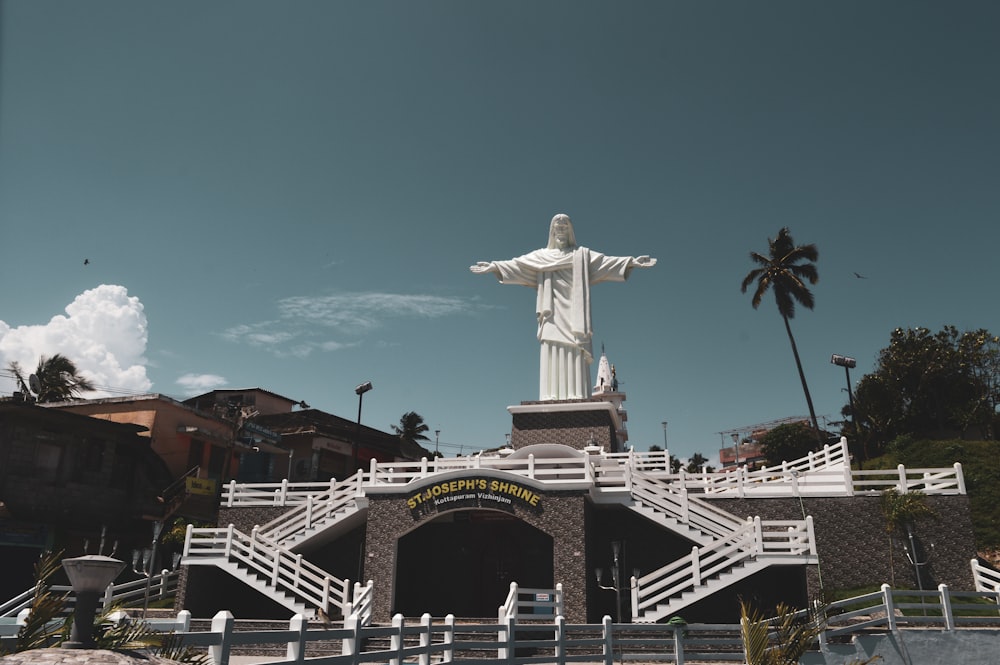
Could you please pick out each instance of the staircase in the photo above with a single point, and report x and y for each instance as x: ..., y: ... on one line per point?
x: 320, y: 517
x: 748, y: 549
x: 727, y: 551
x: 270, y: 568
x: 672, y: 508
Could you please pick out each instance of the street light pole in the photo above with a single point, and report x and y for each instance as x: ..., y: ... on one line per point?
x: 360, y: 391
x: 847, y: 363
x: 437, y: 433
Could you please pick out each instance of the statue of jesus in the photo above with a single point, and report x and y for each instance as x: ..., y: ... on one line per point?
x: 562, y: 273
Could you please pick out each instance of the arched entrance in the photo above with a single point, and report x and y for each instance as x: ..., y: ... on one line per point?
x: 462, y: 563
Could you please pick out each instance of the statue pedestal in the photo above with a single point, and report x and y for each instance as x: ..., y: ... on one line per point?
x: 578, y: 424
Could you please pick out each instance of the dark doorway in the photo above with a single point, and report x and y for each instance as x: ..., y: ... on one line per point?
x: 463, y: 562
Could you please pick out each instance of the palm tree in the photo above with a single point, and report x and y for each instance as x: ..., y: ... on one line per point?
x: 901, y: 510
x: 411, y: 429
x: 58, y: 379
x: 784, y: 638
x: 785, y: 270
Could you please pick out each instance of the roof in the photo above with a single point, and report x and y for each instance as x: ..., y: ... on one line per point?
x: 26, y: 411
x: 321, y: 423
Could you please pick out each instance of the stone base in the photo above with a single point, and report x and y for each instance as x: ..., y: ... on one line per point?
x: 578, y: 424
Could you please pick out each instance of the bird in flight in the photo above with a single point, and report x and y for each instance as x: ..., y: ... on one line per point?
x: 859, y: 276
x: 86, y: 262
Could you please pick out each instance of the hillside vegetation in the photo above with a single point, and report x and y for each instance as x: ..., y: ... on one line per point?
x: 981, y: 467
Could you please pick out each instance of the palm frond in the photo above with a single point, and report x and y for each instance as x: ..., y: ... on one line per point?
x: 44, y: 625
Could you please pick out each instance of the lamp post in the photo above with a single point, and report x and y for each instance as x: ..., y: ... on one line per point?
x: 665, y: 436
x: 360, y: 392
x: 90, y: 575
x: 437, y: 433
x: 847, y: 363
x: 616, y: 548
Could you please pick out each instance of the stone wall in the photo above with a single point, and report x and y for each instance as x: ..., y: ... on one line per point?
x: 853, y: 545
x: 576, y: 429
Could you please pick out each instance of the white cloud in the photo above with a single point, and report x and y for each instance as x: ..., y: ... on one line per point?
x: 302, y: 319
x: 195, y: 384
x: 104, y: 333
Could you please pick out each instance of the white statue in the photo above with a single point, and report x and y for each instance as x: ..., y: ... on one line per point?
x: 562, y: 274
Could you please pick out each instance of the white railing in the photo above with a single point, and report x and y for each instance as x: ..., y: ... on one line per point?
x: 675, y: 502
x: 284, y: 493
x: 359, y: 610
x: 893, y: 609
x: 316, y: 510
x: 526, y: 602
x: 765, y: 541
x: 929, y: 481
x: 986, y: 579
x: 445, y: 641
x: 159, y: 586
x: 826, y: 472
x: 570, y: 470
x: 282, y: 569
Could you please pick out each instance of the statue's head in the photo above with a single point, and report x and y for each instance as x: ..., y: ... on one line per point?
x: 561, y: 234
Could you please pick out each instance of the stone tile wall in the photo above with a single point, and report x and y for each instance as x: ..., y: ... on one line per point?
x: 574, y: 429
x: 853, y: 544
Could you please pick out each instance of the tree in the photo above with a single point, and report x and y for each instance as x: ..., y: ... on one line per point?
x: 901, y: 510
x: 58, y: 379
x: 788, y: 442
x: 697, y: 463
x: 48, y: 625
x: 411, y: 429
x: 929, y: 386
x: 784, y: 271
x: 784, y: 638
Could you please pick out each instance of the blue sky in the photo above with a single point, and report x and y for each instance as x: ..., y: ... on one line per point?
x: 288, y: 195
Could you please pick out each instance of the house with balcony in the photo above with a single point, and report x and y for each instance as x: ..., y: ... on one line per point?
x: 74, y: 483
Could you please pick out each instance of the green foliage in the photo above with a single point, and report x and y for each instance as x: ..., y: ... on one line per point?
x: 58, y: 379
x: 696, y: 463
x: 929, y: 386
x: 411, y: 428
x: 980, y: 466
x: 785, y: 271
x: 43, y: 626
x: 47, y: 626
x: 783, y: 638
x: 788, y: 442
x: 900, y: 511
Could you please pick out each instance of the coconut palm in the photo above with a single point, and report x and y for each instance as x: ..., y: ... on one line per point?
x: 785, y: 270
x: 58, y: 379
x: 784, y: 638
x: 901, y: 510
x: 411, y: 429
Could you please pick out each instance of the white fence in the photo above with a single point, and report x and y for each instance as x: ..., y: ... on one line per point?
x: 159, y: 586
x: 826, y: 472
x: 986, y: 579
x: 427, y: 641
x: 278, y: 568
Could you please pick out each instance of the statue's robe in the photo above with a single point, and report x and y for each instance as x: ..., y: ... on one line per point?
x: 563, y: 279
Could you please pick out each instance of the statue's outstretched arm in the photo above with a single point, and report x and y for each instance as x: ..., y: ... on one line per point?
x: 483, y: 267
x: 643, y: 262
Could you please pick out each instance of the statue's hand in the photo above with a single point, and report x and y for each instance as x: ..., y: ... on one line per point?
x: 644, y: 261
x: 481, y: 267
